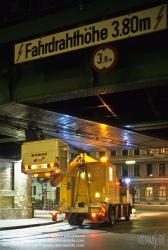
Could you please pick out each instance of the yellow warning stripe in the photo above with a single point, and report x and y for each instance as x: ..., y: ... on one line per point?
x: 60, y: 207
x: 103, y: 209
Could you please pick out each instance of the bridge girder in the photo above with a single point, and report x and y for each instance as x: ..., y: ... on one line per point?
x: 97, y: 10
x: 71, y: 76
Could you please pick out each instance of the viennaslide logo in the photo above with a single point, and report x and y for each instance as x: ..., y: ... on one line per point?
x: 155, y: 239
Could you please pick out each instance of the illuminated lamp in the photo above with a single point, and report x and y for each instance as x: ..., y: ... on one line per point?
x: 97, y: 195
x: 127, y: 180
x: 130, y: 162
x: 103, y: 159
x: 25, y: 167
x: 93, y: 215
x: 83, y: 175
x: 52, y: 164
x: 47, y: 174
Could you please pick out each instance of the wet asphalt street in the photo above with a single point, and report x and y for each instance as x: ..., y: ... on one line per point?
x: 146, y: 230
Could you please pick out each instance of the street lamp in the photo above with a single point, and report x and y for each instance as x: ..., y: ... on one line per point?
x: 130, y: 162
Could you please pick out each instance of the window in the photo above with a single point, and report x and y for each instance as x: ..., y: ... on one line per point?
x: 150, y: 151
x: 124, y: 152
x: 34, y: 190
x: 72, y: 155
x: 162, y: 150
x: 110, y: 174
x: 149, y: 192
x: 149, y: 170
x: 162, y: 169
x: 68, y: 185
x: 124, y: 171
x: 113, y: 153
x: 136, y: 151
x: 136, y: 170
x: 162, y: 191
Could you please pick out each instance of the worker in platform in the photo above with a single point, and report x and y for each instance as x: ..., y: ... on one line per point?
x: 30, y: 133
x: 34, y: 133
x: 39, y: 134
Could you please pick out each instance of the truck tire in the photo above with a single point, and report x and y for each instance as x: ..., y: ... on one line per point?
x: 75, y: 220
x: 127, y: 218
x: 70, y: 221
x: 111, y: 217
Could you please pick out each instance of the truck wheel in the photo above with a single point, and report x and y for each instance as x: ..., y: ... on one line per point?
x: 70, y: 221
x: 127, y: 218
x: 111, y: 217
x: 75, y: 220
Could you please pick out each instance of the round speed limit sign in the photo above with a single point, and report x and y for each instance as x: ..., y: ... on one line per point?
x: 104, y: 58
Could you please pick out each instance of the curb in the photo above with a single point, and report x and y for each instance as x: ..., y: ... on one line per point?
x: 30, y: 225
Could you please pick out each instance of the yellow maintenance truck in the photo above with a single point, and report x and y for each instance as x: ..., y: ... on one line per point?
x: 89, y: 189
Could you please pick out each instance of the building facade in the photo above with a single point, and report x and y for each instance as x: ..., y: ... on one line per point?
x: 15, y: 191
x: 147, y: 175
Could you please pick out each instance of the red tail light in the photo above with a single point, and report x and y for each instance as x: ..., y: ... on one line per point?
x: 93, y: 215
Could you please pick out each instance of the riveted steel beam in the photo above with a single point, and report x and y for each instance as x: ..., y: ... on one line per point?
x: 97, y: 10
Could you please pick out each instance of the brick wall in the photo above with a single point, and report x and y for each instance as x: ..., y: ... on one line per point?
x: 15, y: 191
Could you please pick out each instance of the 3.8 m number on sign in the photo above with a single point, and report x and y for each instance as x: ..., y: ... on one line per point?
x: 103, y: 59
x: 133, y: 25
